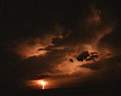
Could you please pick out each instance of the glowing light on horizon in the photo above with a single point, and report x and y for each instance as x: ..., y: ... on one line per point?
x: 42, y: 83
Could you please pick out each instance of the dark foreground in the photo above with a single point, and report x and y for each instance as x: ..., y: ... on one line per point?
x: 90, y: 91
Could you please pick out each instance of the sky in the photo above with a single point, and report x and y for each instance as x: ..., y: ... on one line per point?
x: 38, y: 39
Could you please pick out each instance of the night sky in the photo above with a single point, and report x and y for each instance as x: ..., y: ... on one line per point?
x: 41, y: 39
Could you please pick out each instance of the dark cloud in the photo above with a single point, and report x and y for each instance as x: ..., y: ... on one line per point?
x: 53, y: 29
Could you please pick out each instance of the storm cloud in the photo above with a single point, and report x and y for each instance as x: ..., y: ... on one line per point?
x: 43, y: 50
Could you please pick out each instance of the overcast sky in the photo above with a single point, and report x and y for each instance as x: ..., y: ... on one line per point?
x: 57, y: 24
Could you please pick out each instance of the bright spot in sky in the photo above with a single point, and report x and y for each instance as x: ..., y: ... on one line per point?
x: 42, y: 83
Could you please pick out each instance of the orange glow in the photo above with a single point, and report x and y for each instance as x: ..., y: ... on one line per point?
x: 27, y: 51
x: 38, y: 84
x: 42, y: 83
